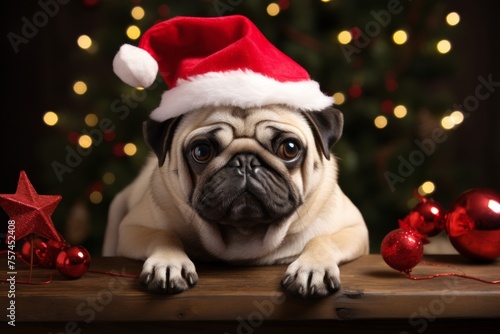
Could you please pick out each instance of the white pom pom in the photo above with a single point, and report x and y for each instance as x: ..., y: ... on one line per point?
x: 135, y: 66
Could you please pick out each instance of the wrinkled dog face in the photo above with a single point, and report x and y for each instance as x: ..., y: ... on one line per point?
x: 245, y: 170
x: 242, y: 168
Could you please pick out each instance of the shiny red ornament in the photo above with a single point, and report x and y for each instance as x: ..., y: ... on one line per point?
x: 39, y: 249
x: 53, y: 250
x: 402, y: 249
x: 427, y: 218
x: 73, y: 262
x: 473, y: 224
x: 44, y: 252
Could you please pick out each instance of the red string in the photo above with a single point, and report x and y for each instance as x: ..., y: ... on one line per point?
x: 49, y: 280
x: 30, y: 282
x: 418, y: 278
x: 110, y: 273
x: 20, y: 257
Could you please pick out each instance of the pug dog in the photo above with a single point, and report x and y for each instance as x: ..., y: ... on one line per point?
x: 254, y: 186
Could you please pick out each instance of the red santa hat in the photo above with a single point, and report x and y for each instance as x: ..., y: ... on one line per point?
x: 222, y: 61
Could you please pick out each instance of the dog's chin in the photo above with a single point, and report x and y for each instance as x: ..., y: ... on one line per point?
x: 245, y: 220
x: 242, y: 239
x: 243, y: 229
x: 246, y: 211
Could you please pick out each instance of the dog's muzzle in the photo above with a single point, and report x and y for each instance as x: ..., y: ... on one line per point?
x: 246, y: 192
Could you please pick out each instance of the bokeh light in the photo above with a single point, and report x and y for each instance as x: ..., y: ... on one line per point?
x: 133, y: 32
x: 84, y: 42
x: 453, y: 18
x: 443, y: 46
x: 273, y: 9
x: 80, y: 87
x: 344, y: 37
x: 380, y: 121
x: 400, y: 37
x: 50, y: 118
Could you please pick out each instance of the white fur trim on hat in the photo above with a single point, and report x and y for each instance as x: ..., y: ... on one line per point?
x: 244, y: 89
x: 135, y: 66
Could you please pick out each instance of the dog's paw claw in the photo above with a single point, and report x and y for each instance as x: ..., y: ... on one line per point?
x: 311, y: 280
x: 145, y: 278
x: 164, y: 276
x: 333, y: 284
x: 285, y: 280
x: 192, y: 279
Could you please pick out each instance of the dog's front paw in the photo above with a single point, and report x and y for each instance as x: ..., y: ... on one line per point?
x: 164, y: 275
x: 311, y: 279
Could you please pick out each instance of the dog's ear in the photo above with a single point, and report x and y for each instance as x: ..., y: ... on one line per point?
x: 326, y: 126
x: 159, y: 136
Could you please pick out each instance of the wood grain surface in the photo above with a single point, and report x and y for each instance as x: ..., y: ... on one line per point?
x: 249, y: 296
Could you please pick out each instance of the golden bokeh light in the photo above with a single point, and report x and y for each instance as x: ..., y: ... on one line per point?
x: 84, y: 42
x: 452, y: 19
x: 133, y: 32
x: 443, y: 46
x: 447, y: 123
x: 380, y: 121
x: 50, y: 118
x: 400, y: 111
x: 137, y: 13
x: 91, y: 119
x: 95, y: 197
x: 85, y: 141
x: 80, y: 87
x: 339, y: 98
x: 130, y: 149
x: 457, y: 117
x: 426, y: 188
x: 344, y: 37
x: 273, y: 9
x: 400, y: 37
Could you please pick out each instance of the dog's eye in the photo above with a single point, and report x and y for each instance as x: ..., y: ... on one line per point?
x: 202, y: 153
x: 288, y: 150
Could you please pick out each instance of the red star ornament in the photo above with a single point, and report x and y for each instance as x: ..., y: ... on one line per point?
x: 31, y: 211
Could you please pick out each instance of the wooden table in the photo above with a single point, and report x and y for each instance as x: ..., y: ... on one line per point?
x: 374, y: 298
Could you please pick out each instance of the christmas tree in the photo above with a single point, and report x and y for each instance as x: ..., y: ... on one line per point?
x: 393, y: 67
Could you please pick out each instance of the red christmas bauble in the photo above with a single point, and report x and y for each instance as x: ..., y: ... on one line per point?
x: 44, y: 252
x: 427, y: 218
x: 53, y: 250
x: 73, y: 262
x: 402, y: 249
x: 473, y: 224
x: 39, y: 250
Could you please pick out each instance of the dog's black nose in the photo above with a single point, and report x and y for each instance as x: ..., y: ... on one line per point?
x: 244, y: 163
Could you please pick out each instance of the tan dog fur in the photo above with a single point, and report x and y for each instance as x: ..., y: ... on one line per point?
x: 153, y: 218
